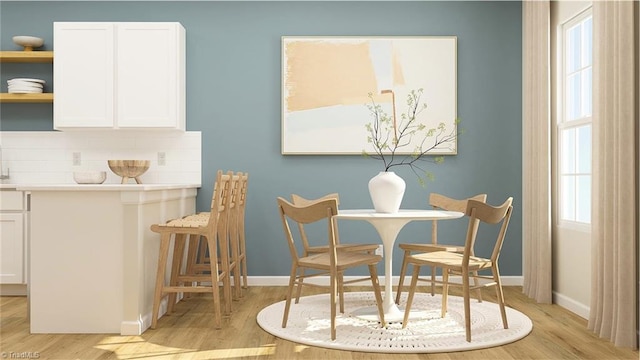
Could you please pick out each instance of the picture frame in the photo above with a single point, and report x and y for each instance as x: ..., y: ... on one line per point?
x: 328, y: 81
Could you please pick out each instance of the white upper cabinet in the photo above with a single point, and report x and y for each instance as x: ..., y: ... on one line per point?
x: 119, y: 75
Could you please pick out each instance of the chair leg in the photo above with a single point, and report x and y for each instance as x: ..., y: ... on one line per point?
x: 412, y: 290
x: 226, y: 280
x: 334, y: 290
x: 216, y: 272
x: 403, y: 273
x: 433, y: 280
x: 376, y: 288
x: 287, y: 306
x: 243, y: 257
x: 467, y: 305
x: 162, y: 263
x: 476, y: 284
x: 299, y: 289
x: 445, y: 292
x: 341, y: 291
x: 192, y: 256
x: 176, y: 266
x: 202, y: 253
x: 500, y: 295
x: 235, y: 255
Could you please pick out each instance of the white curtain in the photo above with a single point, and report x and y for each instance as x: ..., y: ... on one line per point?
x: 536, y: 162
x: 614, y: 307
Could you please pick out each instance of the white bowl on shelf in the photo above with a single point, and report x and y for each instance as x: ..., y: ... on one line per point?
x: 89, y: 177
x: 29, y: 42
x: 37, y: 81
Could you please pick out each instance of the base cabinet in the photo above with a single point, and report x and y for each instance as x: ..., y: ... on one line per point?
x: 12, y: 249
x: 119, y: 75
x: 13, y: 242
x: 93, y: 257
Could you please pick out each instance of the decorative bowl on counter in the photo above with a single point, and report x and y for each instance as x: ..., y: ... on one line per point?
x: 89, y: 177
x: 29, y: 42
x: 129, y: 169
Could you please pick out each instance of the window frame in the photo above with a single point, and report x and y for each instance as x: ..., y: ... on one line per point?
x: 563, y: 123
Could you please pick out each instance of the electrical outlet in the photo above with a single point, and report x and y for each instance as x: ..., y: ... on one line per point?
x: 77, y: 159
x: 162, y: 158
x: 380, y: 250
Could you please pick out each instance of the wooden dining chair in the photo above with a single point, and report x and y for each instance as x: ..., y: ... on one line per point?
x: 313, y: 247
x: 214, y: 230
x: 465, y: 264
x: 331, y: 263
x: 442, y: 202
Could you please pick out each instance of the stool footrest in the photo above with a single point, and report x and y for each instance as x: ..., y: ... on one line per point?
x: 180, y: 289
x: 190, y: 278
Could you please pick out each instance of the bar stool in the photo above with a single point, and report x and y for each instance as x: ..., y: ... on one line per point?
x: 198, y: 257
x: 212, y: 228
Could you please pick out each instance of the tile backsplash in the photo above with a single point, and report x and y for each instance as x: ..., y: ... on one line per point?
x: 47, y: 157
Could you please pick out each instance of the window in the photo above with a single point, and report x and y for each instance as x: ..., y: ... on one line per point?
x: 574, y: 126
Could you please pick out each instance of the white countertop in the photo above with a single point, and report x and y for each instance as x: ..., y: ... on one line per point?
x: 96, y: 187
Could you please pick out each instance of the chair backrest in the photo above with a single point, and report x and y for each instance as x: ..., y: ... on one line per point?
x: 300, y: 201
x: 439, y: 201
x: 243, y: 184
x: 220, y: 201
x: 313, y: 212
x: 234, y: 206
x: 242, y: 195
x: 480, y: 212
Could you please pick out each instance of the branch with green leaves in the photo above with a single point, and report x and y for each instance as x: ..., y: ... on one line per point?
x: 388, y: 137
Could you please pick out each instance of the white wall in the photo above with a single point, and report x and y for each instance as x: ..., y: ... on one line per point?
x: 47, y: 156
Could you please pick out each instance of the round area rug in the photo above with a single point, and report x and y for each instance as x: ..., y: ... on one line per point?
x: 310, y: 321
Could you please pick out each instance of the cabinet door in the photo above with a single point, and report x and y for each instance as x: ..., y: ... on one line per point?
x: 83, y: 75
x: 150, y: 77
x: 12, y: 248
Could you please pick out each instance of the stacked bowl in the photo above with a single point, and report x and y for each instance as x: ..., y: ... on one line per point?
x: 25, y: 86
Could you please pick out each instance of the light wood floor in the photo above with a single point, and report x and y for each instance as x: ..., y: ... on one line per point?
x: 188, y: 334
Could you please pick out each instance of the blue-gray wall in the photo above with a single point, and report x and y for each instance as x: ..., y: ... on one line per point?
x: 234, y: 97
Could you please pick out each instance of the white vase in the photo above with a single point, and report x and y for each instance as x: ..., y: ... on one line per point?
x: 386, y: 190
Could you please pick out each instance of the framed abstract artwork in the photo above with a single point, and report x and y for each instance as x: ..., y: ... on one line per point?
x: 329, y: 84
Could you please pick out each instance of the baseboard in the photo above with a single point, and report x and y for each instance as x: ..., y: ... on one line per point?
x: 571, y: 305
x: 324, y: 280
x: 13, y: 289
x: 144, y: 322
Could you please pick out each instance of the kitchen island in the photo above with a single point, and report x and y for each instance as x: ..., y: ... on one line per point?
x: 93, y: 258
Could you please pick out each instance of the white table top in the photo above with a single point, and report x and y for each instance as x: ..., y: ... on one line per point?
x: 414, y: 214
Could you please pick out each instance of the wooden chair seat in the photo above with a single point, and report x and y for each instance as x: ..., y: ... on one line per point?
x: 452, y: 261
x: 430, y: 247
x: 347, y: 259
x: 185, y: 222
